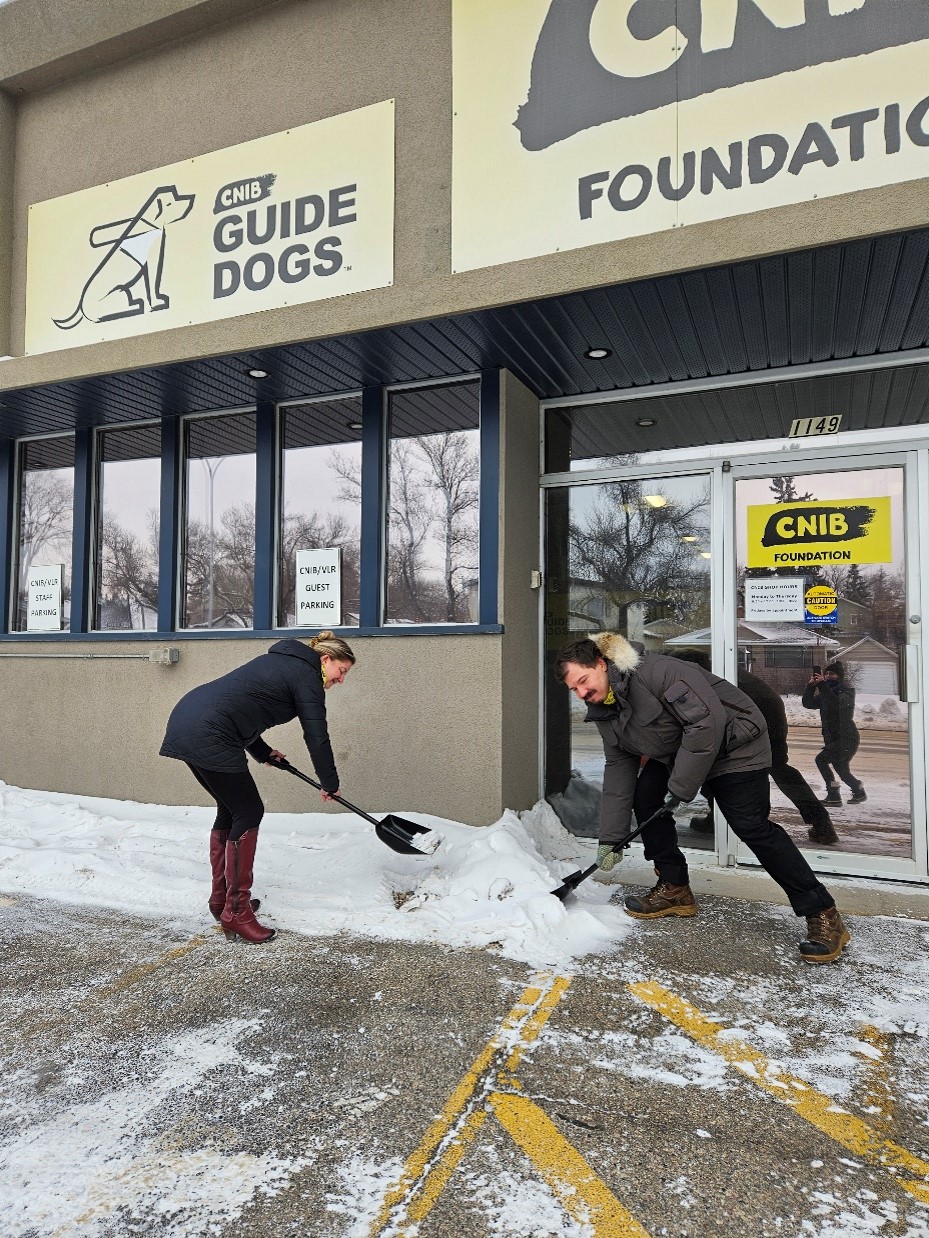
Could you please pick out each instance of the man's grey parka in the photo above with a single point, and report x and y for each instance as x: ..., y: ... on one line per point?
x: 696, y: 723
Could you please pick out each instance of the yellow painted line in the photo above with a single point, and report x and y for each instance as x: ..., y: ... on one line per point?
x: 139, y: 973
x: 117, y: 986
x: 815, y: 1107
x: 582, y: 1194
x: 428, y: 1169
x: 875, y: 1075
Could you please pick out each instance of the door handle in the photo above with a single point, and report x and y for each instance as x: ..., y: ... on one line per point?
x: 908, y: 660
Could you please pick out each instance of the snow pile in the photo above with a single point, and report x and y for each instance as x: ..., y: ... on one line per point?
x: 318, y: 874
x: 872, y: 712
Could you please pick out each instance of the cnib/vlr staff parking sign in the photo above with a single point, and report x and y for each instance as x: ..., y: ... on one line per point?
x: 319, y: 588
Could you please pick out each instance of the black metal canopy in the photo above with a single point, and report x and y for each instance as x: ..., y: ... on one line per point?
x: 858, y: 299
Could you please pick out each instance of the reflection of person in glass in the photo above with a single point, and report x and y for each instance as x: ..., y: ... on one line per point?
x: 697, y: 730
x: 212, y: 728
x: 788, y: 779
x: 835, y: 699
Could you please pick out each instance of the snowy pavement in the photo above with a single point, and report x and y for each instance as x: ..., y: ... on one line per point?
x: 435, y: 1048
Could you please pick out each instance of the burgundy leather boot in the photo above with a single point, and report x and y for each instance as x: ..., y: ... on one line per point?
x: 238, y: 917
x: 218, y: 839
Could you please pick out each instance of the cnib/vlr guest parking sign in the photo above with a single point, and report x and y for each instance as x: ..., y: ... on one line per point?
x: 319, y: 588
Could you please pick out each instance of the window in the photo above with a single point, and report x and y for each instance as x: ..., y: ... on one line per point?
x: 218, y: 573
x: 45, y: 517
x: 126, y: 559
x: 786, y: 656
x: 320, y: 497
x: 432, y: 505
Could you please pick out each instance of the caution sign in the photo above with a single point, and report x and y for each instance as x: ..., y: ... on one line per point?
x: 799, y: 535
x: 822, y: 604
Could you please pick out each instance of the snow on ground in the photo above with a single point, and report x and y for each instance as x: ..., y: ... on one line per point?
x: 872, y: 712
x: 319, y: 873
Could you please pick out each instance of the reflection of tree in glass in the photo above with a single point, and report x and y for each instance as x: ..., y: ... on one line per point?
x: 432, y: 543
x: 45, y: 521
x: 228, y: 559
x: 637, y: 554
x: 313, y: 531
x: 128, y: 582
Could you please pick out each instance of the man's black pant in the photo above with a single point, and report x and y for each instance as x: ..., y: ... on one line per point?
x: 745, y: 801
x: 238, y: 804
x: 792, y: 783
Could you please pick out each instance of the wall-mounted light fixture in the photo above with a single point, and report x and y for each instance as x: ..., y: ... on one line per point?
x: 598, y: 354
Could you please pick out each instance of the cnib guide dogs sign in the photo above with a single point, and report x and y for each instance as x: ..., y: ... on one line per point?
x: 583, y: 121
x: 295, y: 217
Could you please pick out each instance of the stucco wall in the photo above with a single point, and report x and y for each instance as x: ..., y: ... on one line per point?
x: 415, y: 727
x: 141, y: 101
x: 7, y: 156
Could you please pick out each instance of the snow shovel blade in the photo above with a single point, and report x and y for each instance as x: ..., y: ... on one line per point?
x: 571, y: 882
x: 402, y: 835
x: 574, y: 880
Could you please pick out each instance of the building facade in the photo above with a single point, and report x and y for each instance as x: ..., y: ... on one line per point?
x: 460, y: 328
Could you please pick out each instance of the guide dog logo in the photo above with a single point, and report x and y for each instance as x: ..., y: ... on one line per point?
x: 133, y: 262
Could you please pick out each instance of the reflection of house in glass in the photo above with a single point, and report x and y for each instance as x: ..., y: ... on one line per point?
x: 784, y: 655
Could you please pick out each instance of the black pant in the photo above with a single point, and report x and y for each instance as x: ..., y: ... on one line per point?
x: 238, y: 804
x: 838, y: 758
x: 745, y: 801
x: 792, y: 783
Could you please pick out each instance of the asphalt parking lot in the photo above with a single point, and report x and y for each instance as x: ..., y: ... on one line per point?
x: 697, y: 1082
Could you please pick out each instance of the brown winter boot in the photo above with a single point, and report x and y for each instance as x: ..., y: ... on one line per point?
x: 218, y: 839
x: 826, y: 937
x: 238, y: 918
x: 662, y: 900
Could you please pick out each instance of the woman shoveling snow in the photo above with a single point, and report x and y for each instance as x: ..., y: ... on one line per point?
x: 213, y: 726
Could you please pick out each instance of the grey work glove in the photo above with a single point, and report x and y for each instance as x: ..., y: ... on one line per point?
x: 672, y: 801
x: 607, y: 858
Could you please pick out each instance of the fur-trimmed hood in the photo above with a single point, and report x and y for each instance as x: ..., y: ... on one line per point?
x: 624, y: 655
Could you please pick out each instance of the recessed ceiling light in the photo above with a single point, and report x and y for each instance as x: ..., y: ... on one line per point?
x: 354, y: 425
x: 645, y: 421
x: 705, y: 554
x: 655, y: 500
x: 598, y: 354
x: 258, y: 373
x: 688, y: 538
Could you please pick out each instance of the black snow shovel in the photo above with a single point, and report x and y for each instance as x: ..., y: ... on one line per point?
x: 575, y: 879
x: 396, y: 832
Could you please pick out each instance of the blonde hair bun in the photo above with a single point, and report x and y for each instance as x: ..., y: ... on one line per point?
x: 326, y: 643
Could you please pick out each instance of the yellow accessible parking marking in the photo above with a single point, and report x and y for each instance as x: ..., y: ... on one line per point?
x: 819, y: 1110
x: 427, y: 1171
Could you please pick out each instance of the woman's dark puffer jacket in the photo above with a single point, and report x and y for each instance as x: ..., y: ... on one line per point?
x: 213, y: 725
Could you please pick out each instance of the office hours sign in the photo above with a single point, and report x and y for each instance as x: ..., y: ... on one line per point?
x: 319, y: 588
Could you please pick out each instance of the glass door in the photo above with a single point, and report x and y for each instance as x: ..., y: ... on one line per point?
x: 634, y: 556
x: 827, y: 626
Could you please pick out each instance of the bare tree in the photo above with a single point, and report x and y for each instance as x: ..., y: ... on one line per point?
x: 45, y: 519
x: 455, y: 469
x: 638, y: 554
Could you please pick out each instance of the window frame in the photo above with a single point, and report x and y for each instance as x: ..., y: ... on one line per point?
x: 172, y: 509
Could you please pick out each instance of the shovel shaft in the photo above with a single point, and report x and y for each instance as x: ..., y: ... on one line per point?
x: 572, y: 882
x: 292, y: 769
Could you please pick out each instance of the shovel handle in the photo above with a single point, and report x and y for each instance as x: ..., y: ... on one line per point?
x: 577, y: 878
x: 292, y: 769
